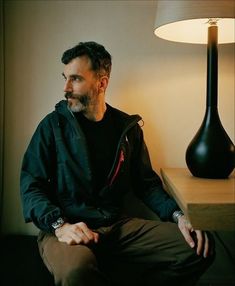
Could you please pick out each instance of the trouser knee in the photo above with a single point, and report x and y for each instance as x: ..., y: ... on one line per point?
x: 78, y: 276
x: 85, y: 275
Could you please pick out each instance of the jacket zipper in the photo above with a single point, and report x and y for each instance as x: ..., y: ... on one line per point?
x: 120, y: 161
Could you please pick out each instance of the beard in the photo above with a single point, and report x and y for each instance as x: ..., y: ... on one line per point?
x: 77, y: 103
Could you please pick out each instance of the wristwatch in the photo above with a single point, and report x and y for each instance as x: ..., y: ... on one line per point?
x: 176, y: 215
x: 58, y: 223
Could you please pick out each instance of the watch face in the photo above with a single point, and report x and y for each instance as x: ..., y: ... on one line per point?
x: 58, y: 223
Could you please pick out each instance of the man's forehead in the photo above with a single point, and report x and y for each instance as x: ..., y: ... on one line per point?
x: 78, y: 65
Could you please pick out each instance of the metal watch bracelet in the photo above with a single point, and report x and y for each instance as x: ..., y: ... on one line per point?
x: 58, y: 223
x: 176, y: 215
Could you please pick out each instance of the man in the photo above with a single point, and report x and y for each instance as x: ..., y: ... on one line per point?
x: 82, y: 160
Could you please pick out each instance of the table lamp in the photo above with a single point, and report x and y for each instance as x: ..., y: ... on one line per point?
x: 211, y: 153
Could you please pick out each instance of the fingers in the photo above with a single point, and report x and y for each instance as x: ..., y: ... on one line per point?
x: 84, y: 231
x: 186, y: 229
x: 86, y: 234
x: 77, y: 233
x: 198, y: 239
x: 200, y: 242
x: 203, y: 245
x: 96, y: 237
x: 188, y: 238
x: 206, y: 251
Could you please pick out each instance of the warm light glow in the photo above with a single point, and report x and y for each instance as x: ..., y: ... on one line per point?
x: 196, y: 30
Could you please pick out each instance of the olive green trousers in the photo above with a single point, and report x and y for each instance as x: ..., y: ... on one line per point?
x: 132, y: 251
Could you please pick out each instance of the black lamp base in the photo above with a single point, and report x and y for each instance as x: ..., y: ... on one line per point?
x: 211, y: 153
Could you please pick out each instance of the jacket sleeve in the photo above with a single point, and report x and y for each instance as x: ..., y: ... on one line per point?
x: 36, y: 179
x: 147, y: 183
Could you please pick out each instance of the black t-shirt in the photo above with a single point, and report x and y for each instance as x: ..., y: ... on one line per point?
x: 102, y: 140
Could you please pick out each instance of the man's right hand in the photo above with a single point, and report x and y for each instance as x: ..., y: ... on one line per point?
x: 77, y: 233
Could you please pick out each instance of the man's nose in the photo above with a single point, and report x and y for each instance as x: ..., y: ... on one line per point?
x: 68, y: 86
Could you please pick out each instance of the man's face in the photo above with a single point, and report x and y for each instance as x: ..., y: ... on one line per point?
x: 81, y: 84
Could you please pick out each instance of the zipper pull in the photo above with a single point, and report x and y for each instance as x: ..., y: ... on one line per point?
x: 120, y: 161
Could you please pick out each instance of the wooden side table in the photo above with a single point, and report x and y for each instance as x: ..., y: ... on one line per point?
x: 209, y: 204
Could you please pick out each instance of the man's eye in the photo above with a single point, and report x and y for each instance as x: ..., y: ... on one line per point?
x: 75, y: 78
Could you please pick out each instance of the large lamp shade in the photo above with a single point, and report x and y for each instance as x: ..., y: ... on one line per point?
x: 211, y: 153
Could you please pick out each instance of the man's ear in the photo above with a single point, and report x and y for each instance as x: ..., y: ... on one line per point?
x: 103, y: 83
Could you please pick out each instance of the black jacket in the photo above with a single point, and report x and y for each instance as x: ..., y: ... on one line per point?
x: 56, y: 174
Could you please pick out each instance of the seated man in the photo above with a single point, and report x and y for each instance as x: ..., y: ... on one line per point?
x: 81, y: 161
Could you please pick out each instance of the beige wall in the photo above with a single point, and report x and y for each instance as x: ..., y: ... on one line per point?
x: 162, y: 81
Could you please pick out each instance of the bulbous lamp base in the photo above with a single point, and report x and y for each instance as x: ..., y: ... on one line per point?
x: 207, y: 165
x: 211, y: 153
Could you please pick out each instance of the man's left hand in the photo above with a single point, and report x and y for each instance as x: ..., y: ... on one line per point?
x: 195, y: 238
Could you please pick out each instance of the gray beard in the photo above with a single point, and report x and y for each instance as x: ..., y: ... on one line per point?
x: 77, y: 108
x: 81, y: 104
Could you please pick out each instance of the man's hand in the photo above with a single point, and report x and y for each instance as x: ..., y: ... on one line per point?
x: 195, y: 238
x: 77, y: 233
